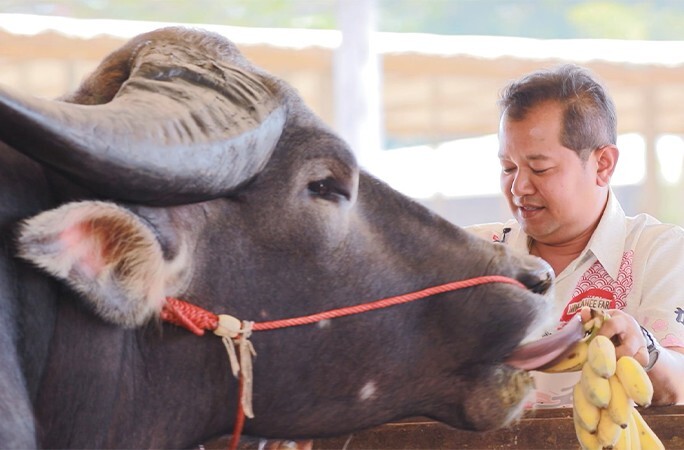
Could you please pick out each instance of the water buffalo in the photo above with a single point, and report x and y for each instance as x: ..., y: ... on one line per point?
x: 180, y: 169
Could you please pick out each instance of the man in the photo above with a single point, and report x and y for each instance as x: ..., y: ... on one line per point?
x: 557, y: 147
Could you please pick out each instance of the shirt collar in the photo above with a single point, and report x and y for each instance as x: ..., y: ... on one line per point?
x: 516, y: 237
x: 607, y: 242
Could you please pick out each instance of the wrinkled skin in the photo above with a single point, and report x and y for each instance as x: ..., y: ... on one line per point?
x: 301, y: 232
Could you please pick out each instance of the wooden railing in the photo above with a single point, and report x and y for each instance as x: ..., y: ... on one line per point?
x: 541, y: 429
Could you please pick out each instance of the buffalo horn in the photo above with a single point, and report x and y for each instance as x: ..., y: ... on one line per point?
x: 173, y: 133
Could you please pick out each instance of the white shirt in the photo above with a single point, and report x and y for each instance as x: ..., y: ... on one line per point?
x: 635, y: 264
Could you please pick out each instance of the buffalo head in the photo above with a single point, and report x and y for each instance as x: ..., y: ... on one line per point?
x: 180, y: 169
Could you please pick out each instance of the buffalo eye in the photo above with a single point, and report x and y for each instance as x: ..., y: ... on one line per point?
x: 328, y: 189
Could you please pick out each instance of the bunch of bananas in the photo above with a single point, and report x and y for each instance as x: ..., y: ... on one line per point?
x: 604, y: 399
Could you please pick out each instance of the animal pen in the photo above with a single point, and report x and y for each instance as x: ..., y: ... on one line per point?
x: 434, y: 95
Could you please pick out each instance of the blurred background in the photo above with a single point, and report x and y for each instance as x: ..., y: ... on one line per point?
x: 411, y: 84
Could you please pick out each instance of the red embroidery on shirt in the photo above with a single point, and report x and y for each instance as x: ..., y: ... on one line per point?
x: 593, y: 298
x: 596, y: 277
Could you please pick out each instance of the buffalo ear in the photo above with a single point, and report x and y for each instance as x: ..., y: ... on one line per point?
x: 104, y: 252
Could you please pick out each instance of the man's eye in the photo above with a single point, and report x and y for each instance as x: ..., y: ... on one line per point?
x: 539, y: 171
x: 507, y: 170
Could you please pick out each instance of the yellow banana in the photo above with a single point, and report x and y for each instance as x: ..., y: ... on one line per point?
x: 587, y: 413
x: 604, y: 415
x: 591, y: 324
x: 620, y: 405
x: 624, y: 441
x: 596, y: 388
x: 598, y: 316
x: 588, y: 441
x: 634, y: 438
x: 573, y: 360
x: 608, y: 431
x: 635, y: 380
x: 647, y: 438
x: 601, y: 356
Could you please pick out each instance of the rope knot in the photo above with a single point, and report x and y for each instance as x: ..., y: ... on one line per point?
x: 228, y: 326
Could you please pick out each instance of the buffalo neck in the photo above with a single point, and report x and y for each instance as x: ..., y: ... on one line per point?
x: 105, y: 378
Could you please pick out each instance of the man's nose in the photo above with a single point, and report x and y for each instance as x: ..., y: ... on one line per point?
x: 521, y: 184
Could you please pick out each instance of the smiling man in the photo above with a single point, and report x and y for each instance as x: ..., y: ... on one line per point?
x: 557, y: 149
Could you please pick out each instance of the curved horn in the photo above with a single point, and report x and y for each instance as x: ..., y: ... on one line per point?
x: 175, y: 132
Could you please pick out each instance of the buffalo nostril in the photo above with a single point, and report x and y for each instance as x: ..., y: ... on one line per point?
x: 538, y: 281
x: 542, y: 286
x: 536, y: 274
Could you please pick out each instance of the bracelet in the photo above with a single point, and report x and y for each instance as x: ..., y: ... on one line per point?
x: 653, y: 348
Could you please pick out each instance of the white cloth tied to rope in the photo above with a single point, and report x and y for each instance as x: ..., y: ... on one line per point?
x: 235, y: 336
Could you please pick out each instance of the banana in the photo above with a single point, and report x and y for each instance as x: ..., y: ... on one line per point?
x: 601, y: 356
x: 647, y: 438
x: 596, y: 388
x: 575, y: 358
x: 635, y: 380
x: 572, y: 361
x: 591, y: 324
x: 634, y: 438
x: 608, y: 431
x: 598, y: 316
x: 624, y: 441
x: 587, y: 413
x: 588, y: 441
x: 620, y: 405
x: 604, y: 413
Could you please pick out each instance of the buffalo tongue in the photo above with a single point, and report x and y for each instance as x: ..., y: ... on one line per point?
x: 535, y: 354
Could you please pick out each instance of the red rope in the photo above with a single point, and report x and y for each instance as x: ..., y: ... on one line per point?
x: 384, y: 303
x: 188, y: 316
x: 239, y: 418
x: 197, y: 320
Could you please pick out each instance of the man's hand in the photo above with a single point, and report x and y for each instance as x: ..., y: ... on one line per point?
x: 628, y: 339
x: 626, y: 335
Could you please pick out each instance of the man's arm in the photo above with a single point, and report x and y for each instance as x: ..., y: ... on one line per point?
x: 662, y: 253
x: 666, y: 376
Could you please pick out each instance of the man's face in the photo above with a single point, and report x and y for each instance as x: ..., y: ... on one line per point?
x: 552, y: 193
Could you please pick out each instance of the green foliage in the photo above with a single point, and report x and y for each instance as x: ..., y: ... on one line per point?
x: 610, y: 20
x: 549, y: 19
x: 253, y: 13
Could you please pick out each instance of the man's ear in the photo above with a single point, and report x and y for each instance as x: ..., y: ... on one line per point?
x: 606, y: 160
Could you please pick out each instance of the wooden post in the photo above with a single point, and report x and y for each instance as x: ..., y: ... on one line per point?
x: 356, y: 76
x: 650, y: 197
